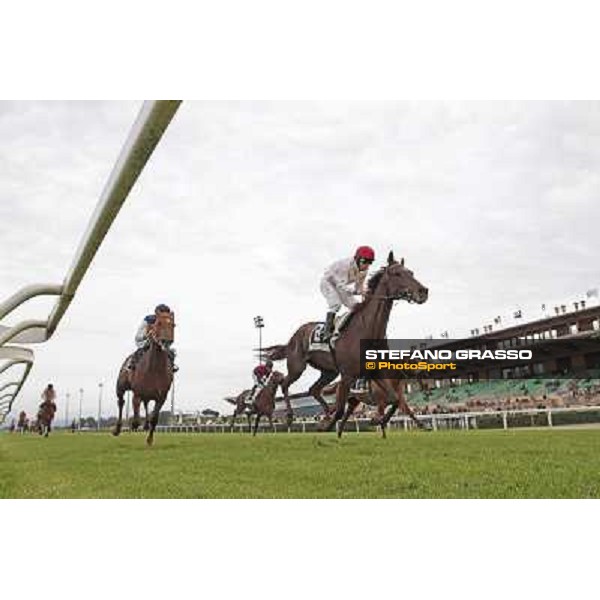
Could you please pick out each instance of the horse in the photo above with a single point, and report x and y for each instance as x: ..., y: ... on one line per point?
x: 367, y: 320
x: 22, y: 422
x: 45, y: 416
x: 242, y: 406
x: 152, y: 377
x: 262, y: 406
x: 264, y: 403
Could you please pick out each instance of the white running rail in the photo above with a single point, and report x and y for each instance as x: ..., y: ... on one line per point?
x: 151, y: 123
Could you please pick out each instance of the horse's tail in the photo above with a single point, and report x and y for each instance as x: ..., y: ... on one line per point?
x: 278, y: 352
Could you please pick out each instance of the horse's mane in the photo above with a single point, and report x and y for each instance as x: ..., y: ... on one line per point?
x: 374, y: 279
x: 371, y: 286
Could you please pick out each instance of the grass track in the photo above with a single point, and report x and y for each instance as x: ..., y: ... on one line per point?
x: 476, y: 464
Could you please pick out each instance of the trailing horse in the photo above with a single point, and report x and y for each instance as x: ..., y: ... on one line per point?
x: 262, y: 406
x: 151, y: 379
x: 368, y: 320
x: 242, y: 406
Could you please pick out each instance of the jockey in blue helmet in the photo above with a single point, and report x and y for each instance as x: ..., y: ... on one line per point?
x: 141, y: 337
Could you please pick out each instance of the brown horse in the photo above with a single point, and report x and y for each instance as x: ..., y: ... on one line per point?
x: 45, y: 416
x: 152, y: 377
x: 22, y: 422
x: 264, y: 404
x: 242, y: 406
x: 368, y: 320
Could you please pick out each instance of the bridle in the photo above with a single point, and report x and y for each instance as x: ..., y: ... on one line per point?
x: 403, y: 295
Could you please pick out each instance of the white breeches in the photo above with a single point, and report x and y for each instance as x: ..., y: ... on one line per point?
x: 334, y: 298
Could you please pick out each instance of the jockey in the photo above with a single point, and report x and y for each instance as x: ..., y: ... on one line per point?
x: 261, y: 375
x: 141, y: 338
x: 48, y: 395
x: 341, y: 281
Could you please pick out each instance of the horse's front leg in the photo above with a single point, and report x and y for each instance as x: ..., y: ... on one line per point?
x: 135, y: 419
x: 119, y: 424
x: 399, y: 402
x: 154, y: 419
x: 146, y: 419
x: 256, y: 421
x: 233, y: 416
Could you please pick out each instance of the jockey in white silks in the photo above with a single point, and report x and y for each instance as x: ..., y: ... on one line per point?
x: 141, y: 338
x: 343, y: 280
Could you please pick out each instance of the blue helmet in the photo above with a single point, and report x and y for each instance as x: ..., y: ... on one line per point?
x: 150, y: 319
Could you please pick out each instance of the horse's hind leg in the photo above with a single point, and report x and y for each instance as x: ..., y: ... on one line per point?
x: 295, y: 369
x: 146, y: 420
x: 317, y: 387
x: 135, y: 420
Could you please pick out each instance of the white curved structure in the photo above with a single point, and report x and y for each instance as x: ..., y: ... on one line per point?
x: 151, y: 123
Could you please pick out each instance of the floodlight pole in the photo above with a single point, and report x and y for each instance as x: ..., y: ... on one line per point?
x: 100, y: 386
x: 259, y: 323
x: 80, y: 406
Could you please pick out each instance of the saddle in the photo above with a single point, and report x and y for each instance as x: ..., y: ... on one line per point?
x: 316, y: 337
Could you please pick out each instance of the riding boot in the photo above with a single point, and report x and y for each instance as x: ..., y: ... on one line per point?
x: 134, y: 358
x: 329, y: 325
x: 172, y: 359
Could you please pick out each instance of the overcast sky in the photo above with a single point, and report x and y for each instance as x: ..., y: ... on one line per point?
x: 243, y: 204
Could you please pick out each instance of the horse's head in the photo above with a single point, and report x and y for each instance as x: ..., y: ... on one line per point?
x: 163, y: 330
x: 242, y: 398
x: 276, y: 378
x: 396, y: 282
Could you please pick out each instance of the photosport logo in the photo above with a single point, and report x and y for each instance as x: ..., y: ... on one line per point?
x: 518, y: 358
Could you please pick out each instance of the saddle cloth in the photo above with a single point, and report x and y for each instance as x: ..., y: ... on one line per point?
x: 316, y: 342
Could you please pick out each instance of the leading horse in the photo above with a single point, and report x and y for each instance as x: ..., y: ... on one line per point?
x: 152, y: 377
x: 368, y: 320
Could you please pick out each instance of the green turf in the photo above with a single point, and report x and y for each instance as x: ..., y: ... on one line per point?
x: 453, y: 464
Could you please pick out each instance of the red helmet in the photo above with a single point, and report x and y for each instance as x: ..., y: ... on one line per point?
x: 365, y: 252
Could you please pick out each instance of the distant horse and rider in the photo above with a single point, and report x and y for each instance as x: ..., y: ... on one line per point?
x: 23, y: 422
x: 367, y: 320
x: 46, y: 411
x: 148, y: 372
x: 259, y: 402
